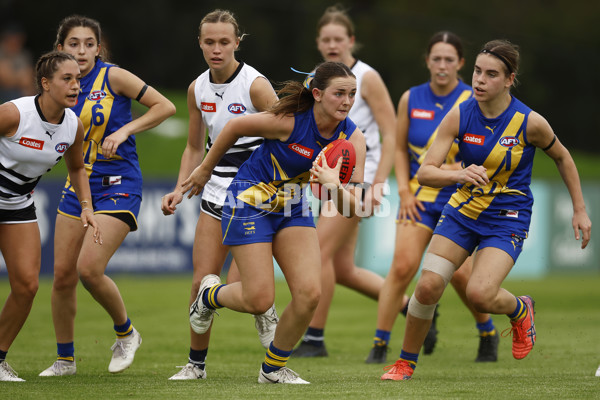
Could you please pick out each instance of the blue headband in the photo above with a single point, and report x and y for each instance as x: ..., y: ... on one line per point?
x: 309, y: 77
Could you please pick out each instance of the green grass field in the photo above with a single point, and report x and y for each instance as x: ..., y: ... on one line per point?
x: 561, y: 365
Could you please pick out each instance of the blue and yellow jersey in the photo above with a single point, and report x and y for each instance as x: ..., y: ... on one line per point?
x: 500, y: 145
x: 425, y: 113
x: 103, y: 112
x: 277, y: 173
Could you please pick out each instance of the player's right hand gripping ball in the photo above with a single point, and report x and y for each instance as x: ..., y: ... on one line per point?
x: 334, y: 150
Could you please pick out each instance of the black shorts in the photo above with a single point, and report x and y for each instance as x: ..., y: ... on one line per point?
x: 21, y: 216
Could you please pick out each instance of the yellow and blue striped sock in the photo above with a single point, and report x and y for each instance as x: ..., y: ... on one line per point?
x: 124, y: 330
x: 486, y: 328
x: 65, y: 351
x: 382, y: 338
x: 275, y: 359
x: 520, y: 312
x: 209, y: 297
x: 410, y: 358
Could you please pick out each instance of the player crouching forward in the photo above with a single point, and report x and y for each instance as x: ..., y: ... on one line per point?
x: 491, y: 208
x: 312, y: 116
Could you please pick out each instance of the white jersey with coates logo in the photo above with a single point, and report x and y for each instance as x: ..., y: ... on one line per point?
x: 31, y: 152
x: 219, y: 103
x: 362, y: 115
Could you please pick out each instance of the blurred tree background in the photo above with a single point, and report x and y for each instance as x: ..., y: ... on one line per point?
x: 157, y: 40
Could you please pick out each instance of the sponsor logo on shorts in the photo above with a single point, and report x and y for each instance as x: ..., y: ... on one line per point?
x: 303, y: 151
x: 61, y: 147
x: 474, y: 139
x: 208, y: 107
x: 32, y: 143
x: 422, y: 114
x: 509, y: 141
x: 236, y: 108
x: 96, y: 95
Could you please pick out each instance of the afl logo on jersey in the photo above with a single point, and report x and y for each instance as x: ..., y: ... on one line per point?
x: 96, y: 95
x: 61, y: 147
x: 236, y: 108
x: 509, y: 141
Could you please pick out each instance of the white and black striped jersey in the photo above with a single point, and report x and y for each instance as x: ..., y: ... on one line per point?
x: 31, y: 152
x: 219, y: 103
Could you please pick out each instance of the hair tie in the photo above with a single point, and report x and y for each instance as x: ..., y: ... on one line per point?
x: 501, y: 58
x: 309, y: 77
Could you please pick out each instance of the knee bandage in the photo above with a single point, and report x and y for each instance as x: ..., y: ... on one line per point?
x: 419, y: 310
x: 439, y: 265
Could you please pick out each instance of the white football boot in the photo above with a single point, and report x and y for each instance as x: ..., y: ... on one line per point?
x: 282, y: 375
x: 124, y: 351
x: 7, y: 374
x: 189, y: 372
x: 265, y: 325
x: 200, y: 315
x: 60, y: 368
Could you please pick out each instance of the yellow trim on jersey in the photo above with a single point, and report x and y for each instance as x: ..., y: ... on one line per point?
x: 429, y: 194
x: 95, y: 133
x: 454, y: 150
x: 426, y: 193
x: 277, y: 168
x: 479, y: 199
x: 274, y: 195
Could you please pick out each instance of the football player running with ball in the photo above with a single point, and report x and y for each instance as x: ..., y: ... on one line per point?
x: 270, y: 204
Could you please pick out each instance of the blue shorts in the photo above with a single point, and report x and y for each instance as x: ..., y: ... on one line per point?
x: 469, y: 234
x: 245, y: 224
x: 123, y: 206
x: 429, y: 217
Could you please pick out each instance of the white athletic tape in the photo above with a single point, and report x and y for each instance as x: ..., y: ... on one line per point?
x: 439, y: 265
x: 419, y: 310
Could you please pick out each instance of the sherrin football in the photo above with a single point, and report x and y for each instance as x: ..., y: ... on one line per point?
x: 334, y: 150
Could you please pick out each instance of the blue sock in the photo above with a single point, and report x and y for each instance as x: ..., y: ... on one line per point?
x: 486, y: 328
x: 198, y: 357
x: 382, y: 338
x: 3, y: 355
x: 65, y: 351
x: 124, y: 330
x: 275, y: 359
x: 314, y: 336
x: 209, y: 297
x: 411, y: 358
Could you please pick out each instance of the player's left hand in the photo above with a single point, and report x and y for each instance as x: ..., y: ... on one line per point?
x: 88, y: 219
x: 111, y: 143
x: 581, y: 222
